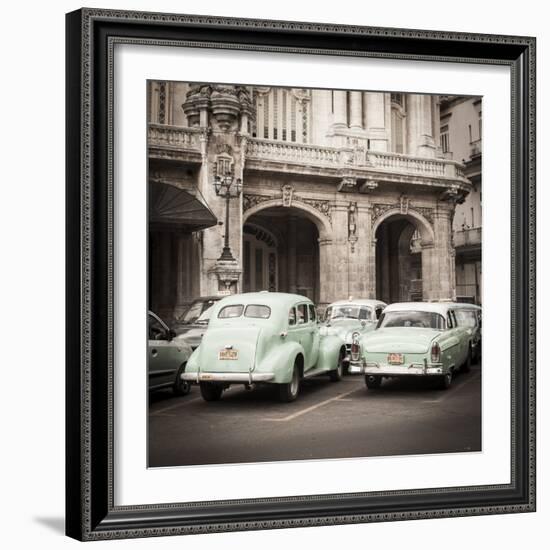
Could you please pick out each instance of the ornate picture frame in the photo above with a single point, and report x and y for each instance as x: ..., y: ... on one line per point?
x: 90, y: 509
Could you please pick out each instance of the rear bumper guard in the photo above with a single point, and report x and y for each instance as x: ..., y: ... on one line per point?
x: 235, y: 377
x: 413, y: 369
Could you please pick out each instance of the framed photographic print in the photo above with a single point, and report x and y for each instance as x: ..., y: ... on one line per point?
x: 300, y: 274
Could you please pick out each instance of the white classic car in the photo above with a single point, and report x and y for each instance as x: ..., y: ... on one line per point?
x: 353, y: 316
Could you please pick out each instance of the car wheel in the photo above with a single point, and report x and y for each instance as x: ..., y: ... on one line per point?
x: 210, y: 391
x: 181, y: 387
x: 373, y: 382
x: 468, y: 363
x: 445, y: 381
x: 289, y: 392
x: 336, y: 374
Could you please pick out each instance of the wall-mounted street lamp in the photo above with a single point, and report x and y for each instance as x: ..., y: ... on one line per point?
x: 226, y: 186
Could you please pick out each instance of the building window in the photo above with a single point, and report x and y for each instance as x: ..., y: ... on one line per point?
x: 470, y: 132
x: 162, y: 103
x: 444, y: 138
x: 398, y: 112
x: 398, y: 99
x: 284, y: 114
x: 266, y: 117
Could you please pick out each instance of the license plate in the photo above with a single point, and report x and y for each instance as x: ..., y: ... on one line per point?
x: 395, y: 359
x: 228, y: 355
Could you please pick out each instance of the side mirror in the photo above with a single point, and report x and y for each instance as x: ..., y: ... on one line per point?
x: 363, y: 323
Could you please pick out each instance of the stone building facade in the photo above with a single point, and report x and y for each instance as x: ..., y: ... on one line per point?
x: 461, y: 139
x: 332, y: 194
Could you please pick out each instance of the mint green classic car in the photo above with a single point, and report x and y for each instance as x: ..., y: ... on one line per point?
x: 347, y: 317
x: 416, y: 339
x: 263, y: 338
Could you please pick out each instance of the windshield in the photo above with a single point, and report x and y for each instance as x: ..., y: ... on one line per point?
x: 466, y: 318
x: 348, y: 312
x: 417, y: 319
x: 193, y: 313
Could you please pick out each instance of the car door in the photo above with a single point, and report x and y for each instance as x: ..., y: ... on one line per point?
x: 315, y: 336
x: 299, y: 331
x: 162, y: 355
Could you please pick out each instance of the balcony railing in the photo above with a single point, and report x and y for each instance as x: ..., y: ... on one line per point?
x: 188, y: 139
x: 314, y: 155
x: 467, y: 237
x: 174, y: 136
x: 292, y: 152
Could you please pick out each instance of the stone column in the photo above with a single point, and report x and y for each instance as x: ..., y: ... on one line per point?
x: 375, y: 121
x: 340, y: 109
x: 361, y: 259
x: 326, y: 270
x: 414, y: 108
x: 356, y: 110
x: 291, y: 254
x: 441, y: 270
x: 420, y: 126
x: 429, y: 275
x: 340, y: 258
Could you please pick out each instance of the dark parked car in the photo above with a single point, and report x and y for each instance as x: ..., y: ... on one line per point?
x: 167, y: 357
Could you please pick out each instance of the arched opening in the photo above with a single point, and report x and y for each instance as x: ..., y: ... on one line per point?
x: 281, y: 252
x: 399, y: 260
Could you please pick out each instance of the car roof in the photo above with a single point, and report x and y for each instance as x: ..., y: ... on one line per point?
x: 358, y: 302
x: 207, y: 298
x: 435, y: 307
x: 281, y: 299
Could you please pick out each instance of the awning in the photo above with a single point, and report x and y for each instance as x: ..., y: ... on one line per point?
x: 173, y: 208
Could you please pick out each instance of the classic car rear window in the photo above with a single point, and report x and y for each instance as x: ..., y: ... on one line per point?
x: 228, y: 312
x: 419, y: 319
x: 257, y: 311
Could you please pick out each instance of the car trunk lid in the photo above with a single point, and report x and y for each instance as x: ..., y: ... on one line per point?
x: 229, y: 349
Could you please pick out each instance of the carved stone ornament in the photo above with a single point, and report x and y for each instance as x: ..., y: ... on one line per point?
x: 228, y: 273
x: 347, y: 183
x: 321, y: 206
x: 352, y: 225
x: 452, y: 195
x: 404, y: 207
x: 288, y: 192
x: 250, y: 200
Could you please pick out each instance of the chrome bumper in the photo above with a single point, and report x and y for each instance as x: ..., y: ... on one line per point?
x: 414, y: 369
x: 234, y: 377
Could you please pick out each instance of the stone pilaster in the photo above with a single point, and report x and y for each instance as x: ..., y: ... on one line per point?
x: 326, y: 266
x: 340, y: 110
x: 442, y: 271
x: 356, y: 110
x: 375, y: 121
x: 291, y: 255
x: 362, y: 256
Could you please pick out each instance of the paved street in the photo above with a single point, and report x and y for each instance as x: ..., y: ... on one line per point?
x: 328, y: 420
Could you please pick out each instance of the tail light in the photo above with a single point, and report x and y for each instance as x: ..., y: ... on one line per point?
x: 355, y: 350
x: 436, y: 353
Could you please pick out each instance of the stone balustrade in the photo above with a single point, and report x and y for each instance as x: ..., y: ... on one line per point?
x: 160, y: 135
x: 176, y: 137
x: 313, y: 155
x: 261, y: 149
